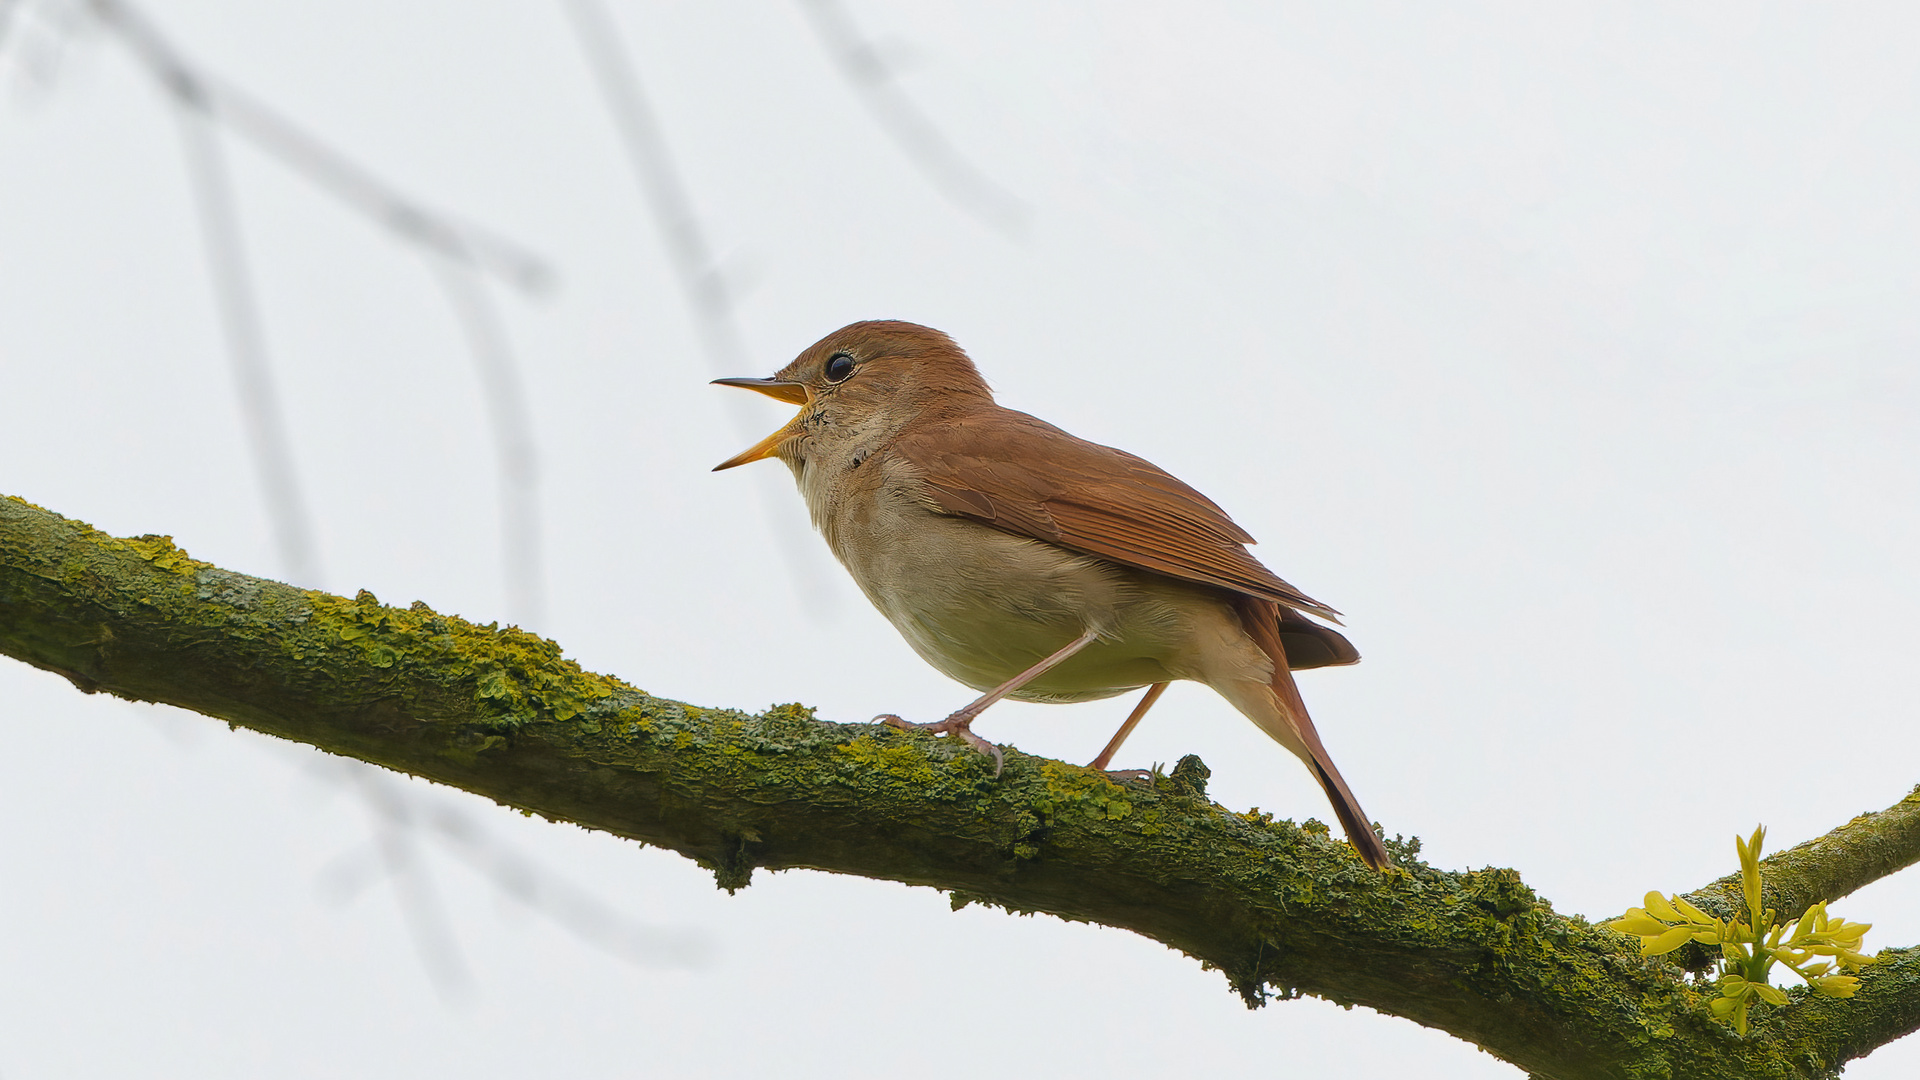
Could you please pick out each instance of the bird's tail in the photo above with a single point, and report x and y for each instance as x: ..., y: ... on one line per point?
x: 1290, y: 725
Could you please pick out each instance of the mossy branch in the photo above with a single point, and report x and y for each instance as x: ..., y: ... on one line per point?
x: 1864, y: 850
x: 1273, y: 905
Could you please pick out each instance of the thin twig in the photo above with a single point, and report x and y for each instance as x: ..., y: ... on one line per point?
x: 660, y: 182
x: 333, y: 171
x: 535, y: 887
x: 413, y: 887
x: 688, y: 250
x: 513, y: 442
x: 41, y: 30
x: 446, y: 240
x: 8, y: 10
x: 570, y: 907
x: 874, y: 78
x: 260, y: 409
x: 456, y: 250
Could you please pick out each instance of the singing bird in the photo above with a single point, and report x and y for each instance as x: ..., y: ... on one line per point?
x: 1031, y: 564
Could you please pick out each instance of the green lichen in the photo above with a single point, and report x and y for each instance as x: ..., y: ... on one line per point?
x: 1075, y: 794
x: 894, y: 758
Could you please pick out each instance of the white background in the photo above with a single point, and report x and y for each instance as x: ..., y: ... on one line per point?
x: 1573, y: 351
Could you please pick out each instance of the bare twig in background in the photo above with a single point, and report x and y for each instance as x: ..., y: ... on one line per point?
x: 339, y: 175
x: 512, y: 436
x: 398, y: 858
x: 8, y: 8
x: 36, y: 55
x: 457, y: 251
x: 688, y: 250
x: 260, y: 410
x: 536, y: 887
x: 455, y: 248
x: 878, y: 85
x: 666, y: 193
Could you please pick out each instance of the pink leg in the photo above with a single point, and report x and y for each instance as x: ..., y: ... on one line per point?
x: 1126, y: 729
x: 960, y: 723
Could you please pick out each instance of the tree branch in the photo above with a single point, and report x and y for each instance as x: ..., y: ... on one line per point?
x: 1271, y: 904
x: 1861, y: 852
x: 1837, y: 1030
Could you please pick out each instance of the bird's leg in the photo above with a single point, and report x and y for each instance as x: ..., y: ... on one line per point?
x: 1126, y: 729
x: 960, y: 722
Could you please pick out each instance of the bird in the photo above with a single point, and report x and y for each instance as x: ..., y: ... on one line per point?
x: 1030, y: 564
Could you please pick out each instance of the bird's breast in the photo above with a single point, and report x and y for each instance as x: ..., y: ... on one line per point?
x: 983, y: 605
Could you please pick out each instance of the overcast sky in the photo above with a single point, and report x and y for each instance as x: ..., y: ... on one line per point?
x: 1573, y: 351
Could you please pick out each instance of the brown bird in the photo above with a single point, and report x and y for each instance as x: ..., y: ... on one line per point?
x: 1030, y: 564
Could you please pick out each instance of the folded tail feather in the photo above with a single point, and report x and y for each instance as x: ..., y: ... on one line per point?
x: 1262, y: 620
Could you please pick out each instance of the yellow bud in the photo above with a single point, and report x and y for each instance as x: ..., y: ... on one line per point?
x: 1769, y: 994
x: 1659, y: 908
x: 1849, y: 932
x: 1840, y: 986
x: 1638, y: 922
x: 1667, y: 942
x: 1691, y: 912
x: 1806, y: 922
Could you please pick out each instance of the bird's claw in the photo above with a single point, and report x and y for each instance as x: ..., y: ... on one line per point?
x: 1145, y: 775
x: 959, y: 724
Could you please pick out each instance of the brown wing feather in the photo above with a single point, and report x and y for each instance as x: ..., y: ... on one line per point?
x: 1025, y: 476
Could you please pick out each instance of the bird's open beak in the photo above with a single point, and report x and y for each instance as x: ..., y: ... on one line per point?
x: 793, y: 392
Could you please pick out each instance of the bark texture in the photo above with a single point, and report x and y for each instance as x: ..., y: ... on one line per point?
x: 1279, y: 908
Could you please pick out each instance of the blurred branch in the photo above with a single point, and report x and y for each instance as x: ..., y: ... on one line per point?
x: 33, y: 34
x: 1272, y: 905
x: 402, y: 864
x: 513, y: 444
x: 456, y: 249
x: 688, y: 250
x: 660, y: 183
x: 8, y: 10
x: 875, y: 79
x: 260, y: 410
x: 535, y: 887
x: 334, y: 172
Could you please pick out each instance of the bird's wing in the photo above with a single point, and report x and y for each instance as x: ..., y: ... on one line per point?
x: 1025, y: 476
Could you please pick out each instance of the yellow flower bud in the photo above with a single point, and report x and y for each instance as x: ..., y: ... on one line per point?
x: 1639, y: 923
x: 1667, y: 942
x: 1840, y: 986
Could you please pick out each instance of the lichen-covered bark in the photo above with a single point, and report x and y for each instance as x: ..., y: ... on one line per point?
x: 1273, y: 905
x: 1828, y: 867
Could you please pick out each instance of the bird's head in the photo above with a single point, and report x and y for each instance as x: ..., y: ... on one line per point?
x: 867, y: 379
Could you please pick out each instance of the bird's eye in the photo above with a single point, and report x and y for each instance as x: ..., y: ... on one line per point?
x: 839, y: 366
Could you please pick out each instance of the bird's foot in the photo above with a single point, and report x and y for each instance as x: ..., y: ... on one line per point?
x: 1143, y: 775
x: 960, y: 725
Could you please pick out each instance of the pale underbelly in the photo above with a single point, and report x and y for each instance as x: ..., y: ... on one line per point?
x: 985, y: 660
x: 983, y: 606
